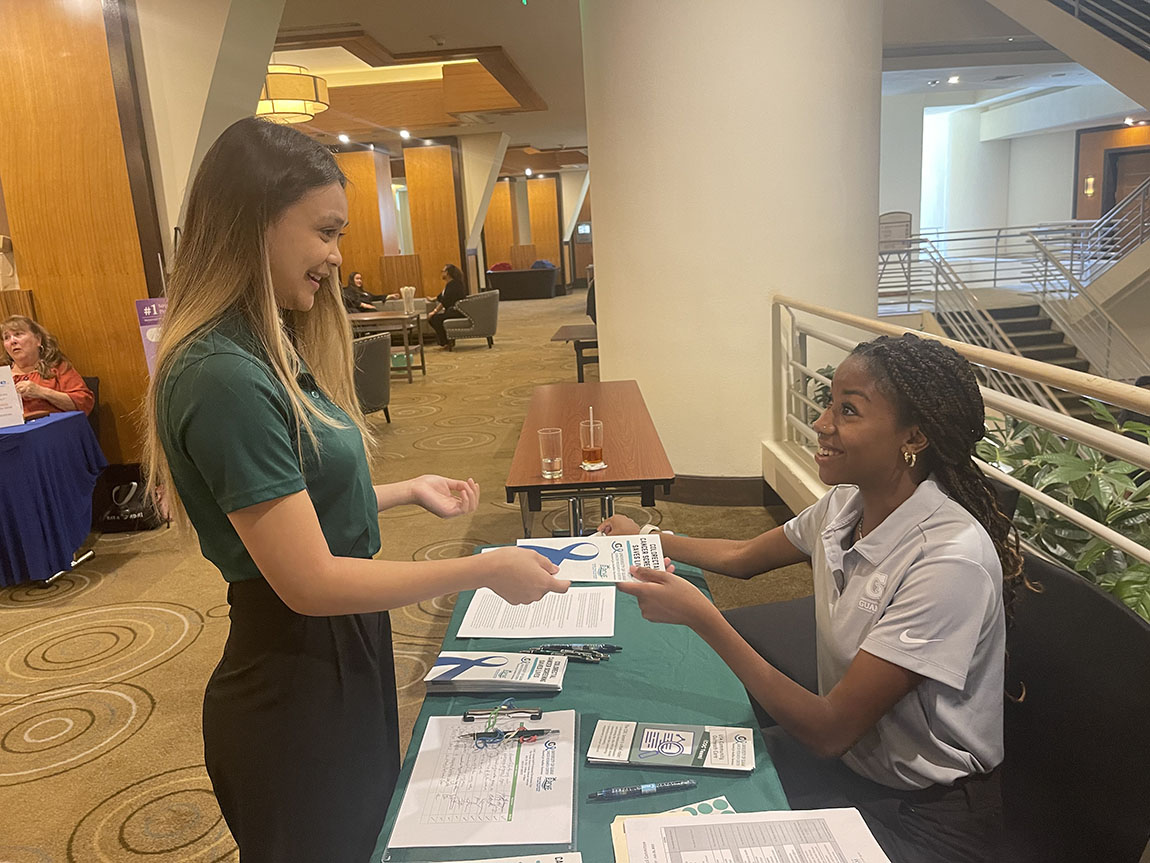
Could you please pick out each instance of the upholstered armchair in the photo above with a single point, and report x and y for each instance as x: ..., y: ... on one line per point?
x: 373, y: 373
x: 482, y: 312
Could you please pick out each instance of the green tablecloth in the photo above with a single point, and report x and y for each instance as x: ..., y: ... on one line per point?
x: 664, y: 674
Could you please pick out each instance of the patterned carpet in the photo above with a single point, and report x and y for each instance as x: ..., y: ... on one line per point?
x: 102, y: 672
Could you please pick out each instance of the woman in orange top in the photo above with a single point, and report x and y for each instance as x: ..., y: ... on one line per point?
x: 44, y: 378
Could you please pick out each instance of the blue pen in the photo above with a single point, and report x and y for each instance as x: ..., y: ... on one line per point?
x: 626, y: 791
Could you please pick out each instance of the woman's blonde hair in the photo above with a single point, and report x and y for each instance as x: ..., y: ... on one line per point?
x: 50, y: 355
x: 253, y: 172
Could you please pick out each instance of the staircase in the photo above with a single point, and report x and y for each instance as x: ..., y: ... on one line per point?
x: 1034, y: 335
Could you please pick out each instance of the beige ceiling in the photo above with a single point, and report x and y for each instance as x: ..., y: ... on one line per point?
x: 542, y: 38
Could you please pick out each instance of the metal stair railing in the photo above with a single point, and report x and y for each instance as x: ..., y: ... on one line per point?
x: 1088, y: 326
x: 1114, y: 236
x: 1127, y: 22
x: 974, y: 325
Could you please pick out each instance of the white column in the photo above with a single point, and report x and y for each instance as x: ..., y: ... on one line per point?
x: 200, y: 66
x: 735, y: 148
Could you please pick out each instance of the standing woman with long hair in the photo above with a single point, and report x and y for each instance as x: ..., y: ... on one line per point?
x: 912, y: 562
x: 253, y: 430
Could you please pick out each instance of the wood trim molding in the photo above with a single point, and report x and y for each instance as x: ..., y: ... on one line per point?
x: 117, y: 25
x: 357, y: 41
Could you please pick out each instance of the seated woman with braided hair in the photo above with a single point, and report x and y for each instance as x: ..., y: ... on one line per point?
x: 914, y: 567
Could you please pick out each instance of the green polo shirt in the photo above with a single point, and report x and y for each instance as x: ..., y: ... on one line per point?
x: 227, y: 429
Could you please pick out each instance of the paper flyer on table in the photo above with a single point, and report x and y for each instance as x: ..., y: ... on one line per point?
x: 716, y: 806
x: 599, y: 558
x: 581, y: 612
x: 11, y: 403
x: 464, y: 793
x: 663, y: 744
x: 813, y: 834
x: 561, y: 857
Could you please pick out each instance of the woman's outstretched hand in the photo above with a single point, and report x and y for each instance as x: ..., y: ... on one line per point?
x: 619, y: 525
x: 520, y: 575
x: 666, y: 598
x: 445, y: 497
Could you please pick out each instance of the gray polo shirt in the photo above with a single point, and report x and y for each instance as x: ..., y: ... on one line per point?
x: 922, y: 590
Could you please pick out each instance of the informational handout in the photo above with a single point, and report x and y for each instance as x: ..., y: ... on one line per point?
x: 468, y: 789
x: 715, y: 806
x: 599, y: 558
x: 563, y: 857
x: 803, y: 836
x: 11, y: 404
x: 581, y: 612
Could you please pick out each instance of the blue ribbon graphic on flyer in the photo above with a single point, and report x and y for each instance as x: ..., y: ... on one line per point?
x: 462, y: 664
x: 558, y: 555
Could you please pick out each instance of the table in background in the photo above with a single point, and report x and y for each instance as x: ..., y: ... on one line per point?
x: 48, y: 469
x: 636, y: 461
x: 586, y: 338
x: 390, y: 322
x: 664, y: 674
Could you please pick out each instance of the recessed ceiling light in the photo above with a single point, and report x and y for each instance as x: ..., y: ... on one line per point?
x: 427, y: 142
x: 344, y: 139
x: 1129, y: 121
x: 403, y: 133
x: 934, y: 82
x: 1009, y: 38
x: 528, y: 172
x: 953, y: 79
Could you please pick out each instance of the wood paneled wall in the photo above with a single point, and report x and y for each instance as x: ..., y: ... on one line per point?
x: 522, y: 257
x: 1092, y: 147
x: 373, y: 222
x: 584, y: 252
x: 17, y: 302
x: 543, y: 204
x: 499, y: 226
x: 400, y: 270
x: 69, y: 201
x: 436, y: 211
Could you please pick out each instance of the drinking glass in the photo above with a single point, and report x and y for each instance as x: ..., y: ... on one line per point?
x: 551, y: 452
x: 591, y: 442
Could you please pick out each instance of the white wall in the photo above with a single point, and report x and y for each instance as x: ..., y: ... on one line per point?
x: 978, y: 176
x: 1041, y: 187
x: 900, y: 155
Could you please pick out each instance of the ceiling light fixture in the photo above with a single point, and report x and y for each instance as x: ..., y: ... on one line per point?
x: 428, y: 142
x: 953, y: 79
x: 344, y: 139
x: 528, y: 172
x: 371, y: 146
x: 1129, y: 121
x: 934, y: 82
x: 403, y: 133
x: 1009, y: 38
x: 291, y: 95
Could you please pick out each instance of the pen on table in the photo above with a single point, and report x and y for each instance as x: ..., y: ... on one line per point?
x: 521, y: 734
x: 626, y: 791
x: 573, y: 655
x: 596, y: 648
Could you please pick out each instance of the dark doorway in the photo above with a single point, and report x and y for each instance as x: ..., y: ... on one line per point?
x: 1125, y: 171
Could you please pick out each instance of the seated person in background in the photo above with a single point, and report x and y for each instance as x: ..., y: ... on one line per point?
x: 912, y: 560
x: 356, y: 299
x: 45, y: 380
x: 452, y: 292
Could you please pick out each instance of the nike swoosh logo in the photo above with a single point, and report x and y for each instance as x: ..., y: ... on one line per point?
x: 906, y: 638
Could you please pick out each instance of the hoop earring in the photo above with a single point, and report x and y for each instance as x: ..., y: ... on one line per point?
x: 911, y: 458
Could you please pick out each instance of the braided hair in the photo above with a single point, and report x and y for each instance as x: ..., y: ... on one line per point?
x: 933, y: 387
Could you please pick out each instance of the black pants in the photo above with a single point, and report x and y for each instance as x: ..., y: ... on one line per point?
x: 957, y: 824
x: 436, y: 322
x: 301, y: 730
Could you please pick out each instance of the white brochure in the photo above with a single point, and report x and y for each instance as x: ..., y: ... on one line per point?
x: 599, y: 558
x: 812, y: 834
x: 465, y: 791
x: 581, y: 612
x: 11, y: 405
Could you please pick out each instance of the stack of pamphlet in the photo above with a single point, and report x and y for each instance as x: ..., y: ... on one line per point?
x: 488, y: 671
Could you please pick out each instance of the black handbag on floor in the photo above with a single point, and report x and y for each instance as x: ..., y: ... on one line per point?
x: 120, y: 502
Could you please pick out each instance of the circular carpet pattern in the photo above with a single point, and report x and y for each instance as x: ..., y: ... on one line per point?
x: 60, y: 730
x: 454, y: 441
x: 64, y: 587
x: 106, y: 643
x: 171, y: 817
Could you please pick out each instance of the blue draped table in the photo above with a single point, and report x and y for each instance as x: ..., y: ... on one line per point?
x: 48, y: 469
